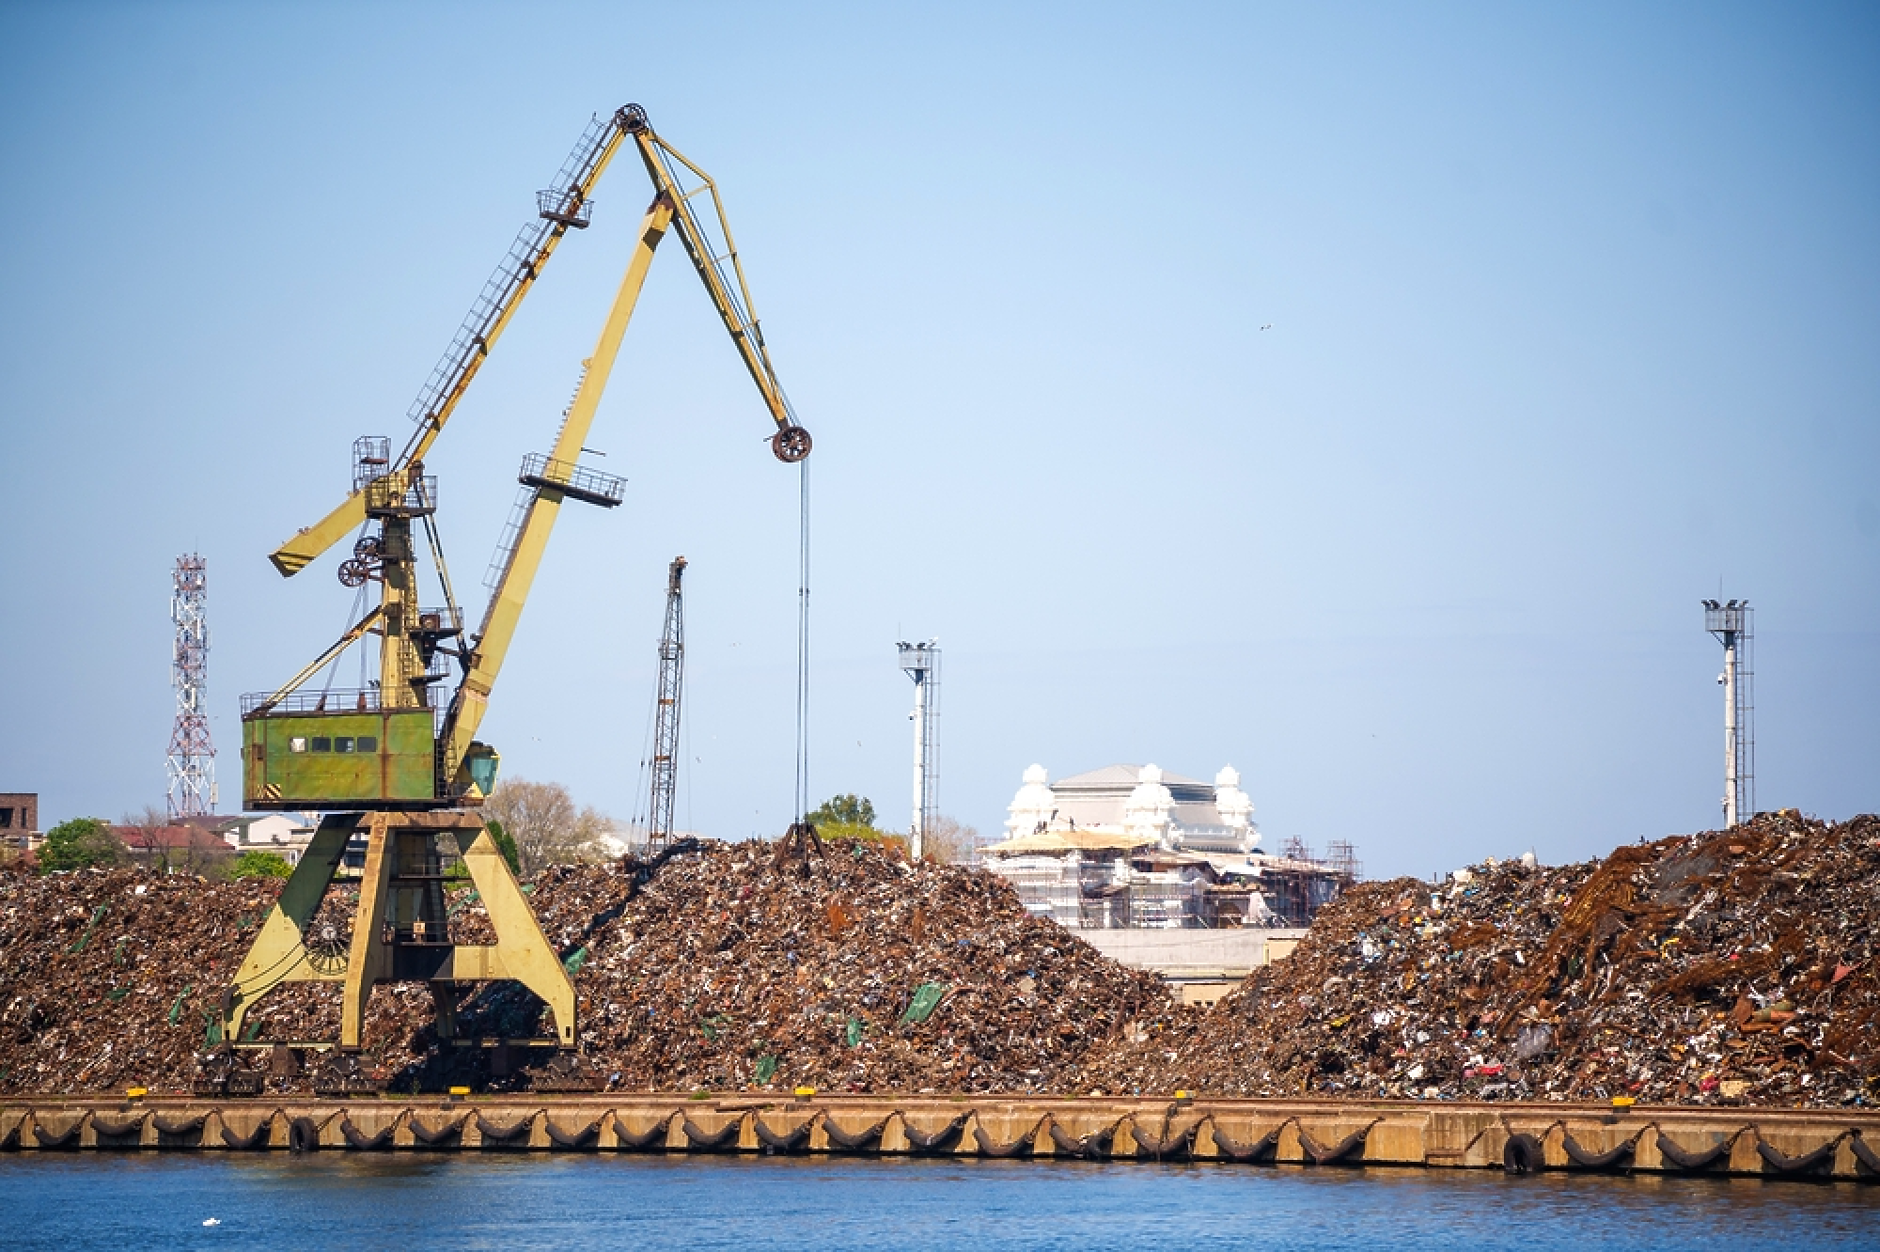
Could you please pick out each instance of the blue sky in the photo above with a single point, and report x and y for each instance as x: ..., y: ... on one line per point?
x: 1573, y: 322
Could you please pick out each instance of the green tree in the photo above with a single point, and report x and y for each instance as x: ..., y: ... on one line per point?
x: 78, y: 843
x: 851, y: 817
x: 258, y: 864
x: 505, y: 845
x: 844, y: 810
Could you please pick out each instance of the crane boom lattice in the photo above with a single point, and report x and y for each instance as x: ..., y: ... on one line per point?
x: 665, y: 763
x: 191, y: 761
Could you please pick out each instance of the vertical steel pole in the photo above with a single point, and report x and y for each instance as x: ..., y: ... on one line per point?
x: 918, y: 828
x: 1729, y: 730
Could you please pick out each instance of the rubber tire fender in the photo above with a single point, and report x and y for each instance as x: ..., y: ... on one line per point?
x: 303, y: 1135
x: 1522, y: 1154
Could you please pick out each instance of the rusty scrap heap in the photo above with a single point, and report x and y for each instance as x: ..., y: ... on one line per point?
x: 106, y: 975
x: 1726, y: 967
x: 1720, y: 967
x: 842, y: 966
x: 850, y: 968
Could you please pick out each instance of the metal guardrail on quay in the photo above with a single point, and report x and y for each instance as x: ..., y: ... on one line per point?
x: 1520, y: 1138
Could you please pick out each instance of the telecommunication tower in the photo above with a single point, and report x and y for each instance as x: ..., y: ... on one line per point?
x: 192, y: 755
x: 1734, y: 627
x: 921, y: 662
x: 665, y: 784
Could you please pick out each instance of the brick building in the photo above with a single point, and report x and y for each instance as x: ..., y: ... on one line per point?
x: 19, y: 817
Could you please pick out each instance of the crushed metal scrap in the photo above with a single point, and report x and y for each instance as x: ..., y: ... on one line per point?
x: 1734, y: 966
x: 840, y: 966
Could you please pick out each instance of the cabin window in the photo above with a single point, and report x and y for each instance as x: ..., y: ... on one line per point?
x: 297, y: 744
x: 322, y: 744
x: 368, y: 743
x: 342, y: 743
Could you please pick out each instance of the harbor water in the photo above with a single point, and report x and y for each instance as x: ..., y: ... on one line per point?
x: 500, y: 1200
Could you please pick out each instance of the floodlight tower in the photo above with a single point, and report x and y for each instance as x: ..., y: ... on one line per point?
x: 921, y: 662
x: 192, y: 755
x: 1733, y: 625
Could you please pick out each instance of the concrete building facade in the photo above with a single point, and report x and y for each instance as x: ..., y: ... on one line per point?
x: 1136, y: 847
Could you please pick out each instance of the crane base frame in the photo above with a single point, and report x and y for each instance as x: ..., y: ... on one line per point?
x: 399, y: 941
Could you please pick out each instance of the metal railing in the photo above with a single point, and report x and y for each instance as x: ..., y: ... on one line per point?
x: 351, y: 700
x: 442, y: 619
x: 372, y: 456
x: 573, y: 480
x: 388, y: 495
x: 565, y: 206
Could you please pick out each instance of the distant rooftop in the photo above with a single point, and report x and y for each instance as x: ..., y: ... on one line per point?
x: 1125, y: 778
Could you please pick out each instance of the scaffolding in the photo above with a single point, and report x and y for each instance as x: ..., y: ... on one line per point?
x: 1342, y: 859
x: 1156, y: 890
x: 191, y: 763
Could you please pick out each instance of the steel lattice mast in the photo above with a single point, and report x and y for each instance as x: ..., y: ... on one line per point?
x: 665, y: 783
x: 192, y: 753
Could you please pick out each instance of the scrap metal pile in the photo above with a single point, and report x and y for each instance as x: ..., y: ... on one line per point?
x: 1726, y: 967
x: 838, y: 966
x: 1731, y: 966
x: 106, y: 976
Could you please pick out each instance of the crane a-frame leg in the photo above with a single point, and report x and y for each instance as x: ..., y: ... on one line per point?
x: 400, y: 931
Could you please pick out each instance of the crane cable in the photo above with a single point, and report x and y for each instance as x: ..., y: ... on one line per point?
x: 802, y: 643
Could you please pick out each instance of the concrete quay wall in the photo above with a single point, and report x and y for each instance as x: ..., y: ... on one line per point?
x: 1768, y: 1143
x: 1230, y: 952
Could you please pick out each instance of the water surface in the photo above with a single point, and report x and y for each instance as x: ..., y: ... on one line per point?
x: 458, y: 1200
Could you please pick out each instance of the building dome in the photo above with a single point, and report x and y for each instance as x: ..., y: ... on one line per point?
x: 1235, y: 808
x: 1148, y: 809
x: 1146, y: 801
x: 1033, y: 806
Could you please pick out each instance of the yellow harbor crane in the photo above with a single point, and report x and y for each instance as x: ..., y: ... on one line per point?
x: 396, y: 759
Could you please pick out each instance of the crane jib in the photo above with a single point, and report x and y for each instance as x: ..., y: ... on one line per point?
x: 416, y: 657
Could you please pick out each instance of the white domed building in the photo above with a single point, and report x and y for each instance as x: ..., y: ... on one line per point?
x: 1135, y: 846
x: 1146, y: 803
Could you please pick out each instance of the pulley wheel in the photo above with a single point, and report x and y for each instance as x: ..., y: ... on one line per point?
x: 354, y: 573
x: 791, y: 444
x: 326, y: 950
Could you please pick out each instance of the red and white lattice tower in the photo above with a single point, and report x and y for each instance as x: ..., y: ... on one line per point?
x: 192, y: 754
